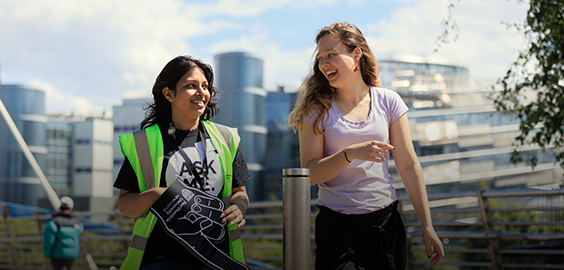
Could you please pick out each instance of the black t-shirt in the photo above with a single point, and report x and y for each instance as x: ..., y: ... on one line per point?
x: 160, y: 245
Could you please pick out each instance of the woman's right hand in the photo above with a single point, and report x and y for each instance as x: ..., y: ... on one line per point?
x: 324, y: 168
x: 134, y: 204
x: 371, y: 151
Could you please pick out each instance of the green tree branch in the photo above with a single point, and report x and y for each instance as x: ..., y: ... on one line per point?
x: 539, y: 69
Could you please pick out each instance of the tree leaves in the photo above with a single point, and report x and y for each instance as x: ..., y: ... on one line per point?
x: 538, y: 69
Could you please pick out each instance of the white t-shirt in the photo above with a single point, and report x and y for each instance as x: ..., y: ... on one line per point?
x: 364, y: 186
x: 178, y: 169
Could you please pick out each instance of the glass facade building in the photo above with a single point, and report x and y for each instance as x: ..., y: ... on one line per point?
x: 59, y: 146
x: 462, y: 141
x: 239, y: 78
x: 18, y: 181
x: 126, y: 119
x: 74, y: 155
x: 282, y: 149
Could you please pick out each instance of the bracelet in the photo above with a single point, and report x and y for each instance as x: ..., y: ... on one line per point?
x: 345, y: 151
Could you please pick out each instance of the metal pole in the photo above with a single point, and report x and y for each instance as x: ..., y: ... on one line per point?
x: 297, y: 219
x: 51, y: 194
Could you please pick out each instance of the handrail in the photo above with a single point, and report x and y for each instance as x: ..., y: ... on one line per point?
x: 521, y: 193
x: 464, y: 235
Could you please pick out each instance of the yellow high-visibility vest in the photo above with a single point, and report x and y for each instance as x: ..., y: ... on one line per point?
x: 145, y: 151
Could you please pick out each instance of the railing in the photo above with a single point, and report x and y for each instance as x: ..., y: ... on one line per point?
x: 517, y: 229
x: 513, y: 229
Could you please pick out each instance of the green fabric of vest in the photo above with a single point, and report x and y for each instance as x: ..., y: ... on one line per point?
x: 147, y: 164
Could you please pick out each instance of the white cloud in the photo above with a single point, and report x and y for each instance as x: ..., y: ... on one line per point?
x: 96, y: 50
x: 281, y: 67
x: 286, y: 68
x: 60, y: 103
x: 251, y: 8
x: 484, y: 45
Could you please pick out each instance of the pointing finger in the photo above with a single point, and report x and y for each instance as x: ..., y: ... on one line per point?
x: 383, y: 145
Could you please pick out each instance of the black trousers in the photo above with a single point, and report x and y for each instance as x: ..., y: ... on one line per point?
x: 375, y: 240
x: 61, y: 264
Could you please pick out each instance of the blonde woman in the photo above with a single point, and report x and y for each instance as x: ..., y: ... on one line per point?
x: 348, y: 127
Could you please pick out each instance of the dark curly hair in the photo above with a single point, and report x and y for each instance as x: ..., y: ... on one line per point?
x: 160, y: 111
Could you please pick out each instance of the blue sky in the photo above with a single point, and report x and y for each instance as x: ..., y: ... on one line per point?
x: 86, y: 54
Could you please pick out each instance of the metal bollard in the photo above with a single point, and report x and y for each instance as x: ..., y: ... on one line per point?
x: 297, y: 218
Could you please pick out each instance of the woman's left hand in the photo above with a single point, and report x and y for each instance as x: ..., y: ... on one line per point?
x: 234, y: 214
x: 433, y: 245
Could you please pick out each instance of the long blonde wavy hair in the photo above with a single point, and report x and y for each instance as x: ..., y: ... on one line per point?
x: 315, y: 92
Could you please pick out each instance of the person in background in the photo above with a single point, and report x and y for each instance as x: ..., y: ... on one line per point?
x: 61, y: 236
x: 348, y: 127
x: 177, y: 133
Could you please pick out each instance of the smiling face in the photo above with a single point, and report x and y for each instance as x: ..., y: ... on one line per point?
x: 191, y: 97
x: 335, y: 61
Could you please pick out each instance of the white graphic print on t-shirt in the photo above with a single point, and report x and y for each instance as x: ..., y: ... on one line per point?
x: 178, y: 169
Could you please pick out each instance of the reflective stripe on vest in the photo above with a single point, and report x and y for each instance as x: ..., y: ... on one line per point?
x: 144, y: 150
x: 220, y: 135
x: 138, y: 242
x: 144, y: 154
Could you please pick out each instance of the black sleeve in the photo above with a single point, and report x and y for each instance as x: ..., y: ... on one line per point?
x: 126, y: 178
x: 240, y: 171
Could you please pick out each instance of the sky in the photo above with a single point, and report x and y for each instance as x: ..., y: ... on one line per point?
x: 86, y: 54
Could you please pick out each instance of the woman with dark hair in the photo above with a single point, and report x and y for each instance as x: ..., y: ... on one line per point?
x: 348, y: 125
x: 178, y: 142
